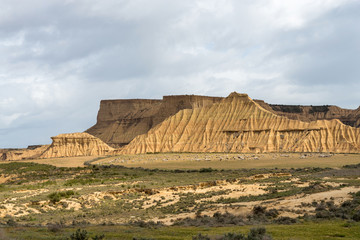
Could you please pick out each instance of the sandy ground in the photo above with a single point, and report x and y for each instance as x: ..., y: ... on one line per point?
x: 4, y: 178
x: 289, y: 206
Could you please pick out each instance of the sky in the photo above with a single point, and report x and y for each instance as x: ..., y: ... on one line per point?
x: 59, y: 58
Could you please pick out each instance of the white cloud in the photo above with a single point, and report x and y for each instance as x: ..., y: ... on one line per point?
x: 59, y: 58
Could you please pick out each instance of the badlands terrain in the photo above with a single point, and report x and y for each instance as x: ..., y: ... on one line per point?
x: 190, y: 167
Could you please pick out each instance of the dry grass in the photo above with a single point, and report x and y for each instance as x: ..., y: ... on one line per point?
x: 215, y: 160
x: 231, y: 161
x: 63, y: 162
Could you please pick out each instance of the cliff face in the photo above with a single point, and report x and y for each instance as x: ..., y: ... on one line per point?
x: 76, y: 144
x: 238, y: 124
x: 312, y: 113
x: 120, y: 121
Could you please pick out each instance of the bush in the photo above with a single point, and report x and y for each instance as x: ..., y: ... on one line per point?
x: 143, y: 224
x: 259, y: 210
x: 83, y: 235
x: 356, y: 216
x: 57, y: 196
x: 11, y: 222
x: 79, y: 235
x: 233, y: 236
x: 254, y: 234
x: 258, y: 234
x: 204, y: 170
x: 55, y: 227
x: 272, y: 213
x: 200, y: 237
x: 286, y: 220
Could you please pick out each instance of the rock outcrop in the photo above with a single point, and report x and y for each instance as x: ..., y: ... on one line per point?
x: 76, y: 144
x: 239, y: 124
x: 120, y: 121
x: 312, y: 113
x: 22, y: 153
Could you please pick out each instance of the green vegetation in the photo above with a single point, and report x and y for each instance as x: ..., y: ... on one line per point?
x: 57, y: 196
x: 117, y: 202
x: 322, y: 230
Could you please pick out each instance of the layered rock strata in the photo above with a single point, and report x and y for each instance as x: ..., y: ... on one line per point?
x: 312, y: 113
x: 76, y: 144
x: 120, y: 121
x: 239, y: 124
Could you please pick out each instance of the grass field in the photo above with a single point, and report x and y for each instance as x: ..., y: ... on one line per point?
x: 301, y: 231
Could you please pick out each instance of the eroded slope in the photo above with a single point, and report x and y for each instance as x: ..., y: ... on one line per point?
x: 76, y: 144
x: 120, y: 121
x: 312, y: 113
x: 238, y: 124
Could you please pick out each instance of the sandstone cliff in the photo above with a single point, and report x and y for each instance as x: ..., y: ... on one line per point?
x: 120, y: 121
x: 76, y: 144
x: 239, y: 124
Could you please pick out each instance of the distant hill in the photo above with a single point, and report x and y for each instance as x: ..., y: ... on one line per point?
x: 191, y: 123
x: 239, y: 124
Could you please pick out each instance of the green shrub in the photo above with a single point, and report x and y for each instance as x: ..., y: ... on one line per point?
x: 258, y: 233
x: 200, y: 237
x: 79, y: 235
x: 57, y: 196
x: 83, y: 235
x: 205, y: 170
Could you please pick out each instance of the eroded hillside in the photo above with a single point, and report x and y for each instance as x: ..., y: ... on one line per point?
x: 120, y: 121
x: 76, y: 144
x: 312, y: 113
x: 190, y: 123
x: 238, y: 124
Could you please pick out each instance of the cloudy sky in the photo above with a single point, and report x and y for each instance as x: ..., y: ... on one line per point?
x: 59, y: 58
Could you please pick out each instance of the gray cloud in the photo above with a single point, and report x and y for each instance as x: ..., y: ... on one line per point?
x: 60, y: 58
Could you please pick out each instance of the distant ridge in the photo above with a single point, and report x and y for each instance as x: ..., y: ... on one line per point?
x: 239, y: 124
x: 191, y: 123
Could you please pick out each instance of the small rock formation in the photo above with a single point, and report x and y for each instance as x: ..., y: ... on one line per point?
x: 22, y: 153
x: 76, y: 144
x: 239, y: 124
x: 120, y: 121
